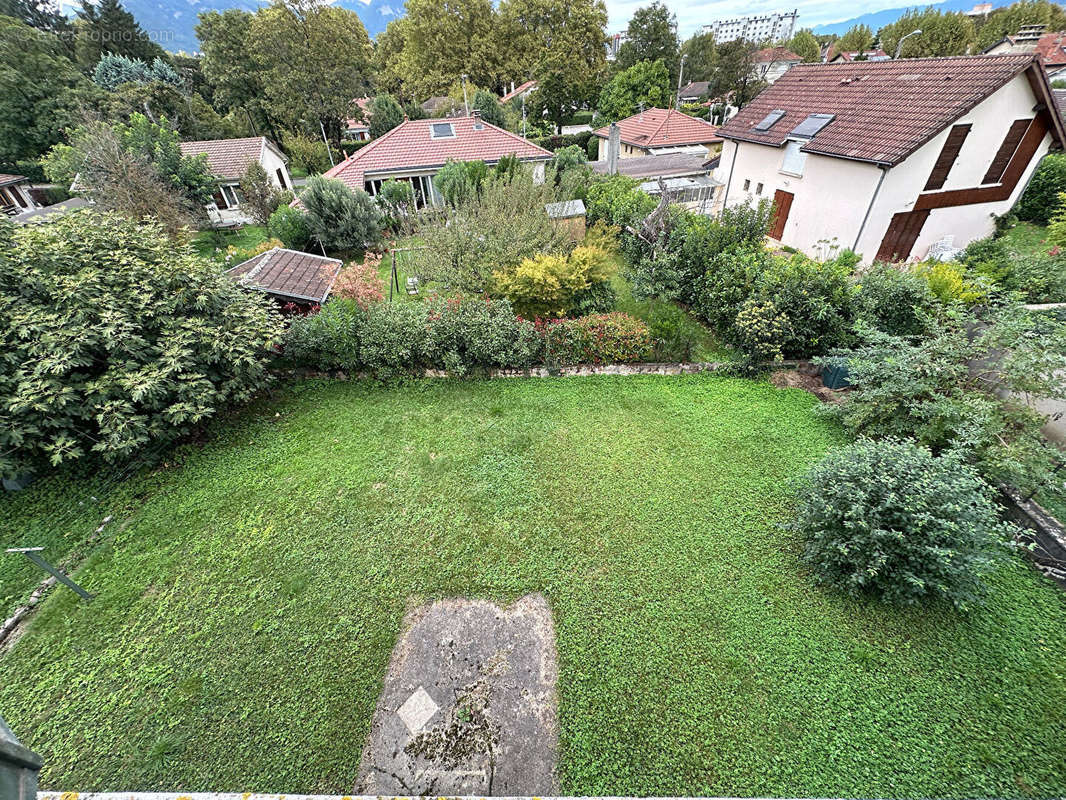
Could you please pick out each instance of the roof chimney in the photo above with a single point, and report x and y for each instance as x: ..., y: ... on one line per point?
x: 476, y: 114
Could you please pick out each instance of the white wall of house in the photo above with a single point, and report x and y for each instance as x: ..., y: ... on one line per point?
x: 832, y: 195
x: 275, y: 167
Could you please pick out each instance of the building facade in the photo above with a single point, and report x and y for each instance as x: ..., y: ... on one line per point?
x: 755, y: 27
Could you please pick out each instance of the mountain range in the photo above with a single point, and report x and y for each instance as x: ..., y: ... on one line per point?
x: 878, y: 19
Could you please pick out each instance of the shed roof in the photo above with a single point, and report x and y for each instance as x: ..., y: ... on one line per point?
x: 7, y: 180
x: 882, y: 110
x: 660, y: 127
x: 288, y: 274
x: 565, y: 209
x: 229, y: 158
x: 411, y: 145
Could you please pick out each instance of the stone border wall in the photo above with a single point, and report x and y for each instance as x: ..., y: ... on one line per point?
x: 1044, y: 533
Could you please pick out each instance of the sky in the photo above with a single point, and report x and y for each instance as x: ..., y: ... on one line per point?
x: 692, y: 14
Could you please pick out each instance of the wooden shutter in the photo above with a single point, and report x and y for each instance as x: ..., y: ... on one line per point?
x: 1006, y: 150
x: 782, y: 205
x: 901, y: 235
x: 946, y: 159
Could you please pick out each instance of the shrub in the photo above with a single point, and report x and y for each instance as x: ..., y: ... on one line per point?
x: 894, y: 301
x: 361, y: 282
x: 1040, y: 276
x: 384, y: 114
x: 546, y: 284
x: 988, y: 257
x: 729, y: 281
x: 1041, y: 195
x: 949, y: 282
x: 599, y: 339
x: 567, y: 157
x: 460, y: 181
x: 760, y: 330
x: 261, y: 196
x: 290, y: 226
x: 306, y: 153
x: 617, y: 201
x: 153, y: 341
x: 968, y: 385
x: 340, y: 218
x: 477, y: 333
x: 891, y: 520
x: 396, y: 199
x: 597, y: 298
x: 1056, y: 231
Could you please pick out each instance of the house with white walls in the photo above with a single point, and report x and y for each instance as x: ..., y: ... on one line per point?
x: 888, y: 158
x: 228, y: 160
x: 771, y: 63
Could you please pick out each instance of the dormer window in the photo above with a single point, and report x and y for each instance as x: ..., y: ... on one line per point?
x: 441, y: 130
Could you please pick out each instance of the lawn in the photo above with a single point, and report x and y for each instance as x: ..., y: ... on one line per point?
x: 249, y: 594
x: 212, y: 244
x: 1026, y: 238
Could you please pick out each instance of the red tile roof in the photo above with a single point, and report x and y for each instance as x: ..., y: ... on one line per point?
x: 771, y: 54
x: 883, y: 110
x: 229, y: 158
x: 660, y: 127
x: 1052, y: 48
x: 288, y: 274
x: 7, y: 180
x: 518, y: 91
x: 410, y: 146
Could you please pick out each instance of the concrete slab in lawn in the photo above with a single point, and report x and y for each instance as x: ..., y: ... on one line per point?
x: 469, y: 704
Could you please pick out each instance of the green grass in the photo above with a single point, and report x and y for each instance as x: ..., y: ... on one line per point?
x: 213, y: 244
x: 248, y: 598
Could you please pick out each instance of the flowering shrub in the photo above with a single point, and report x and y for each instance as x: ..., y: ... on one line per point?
x: 361, y: 282
x: 598, y: 339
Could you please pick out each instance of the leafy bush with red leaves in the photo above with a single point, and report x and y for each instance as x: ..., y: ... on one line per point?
x: 361, y: 282
x: 614, y: 338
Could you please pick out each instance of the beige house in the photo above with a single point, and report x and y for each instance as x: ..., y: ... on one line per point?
x: 658, y: 131
x: 888, y: 158
x: 228, y: 160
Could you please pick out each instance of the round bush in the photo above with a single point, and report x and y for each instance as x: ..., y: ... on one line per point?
x: 889, y: 519
x: 895, y: 301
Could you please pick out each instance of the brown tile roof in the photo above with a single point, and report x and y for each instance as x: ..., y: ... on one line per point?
x: 1052, y: 48
x: 771, y: 54
x: 229, y: 158
x: 695, y: 88
x: 519, y: 90
x: 7, y: 180
x: 288, y: 274
x: 883, y: 110
x: 660, y: 127
x: 410, y: 145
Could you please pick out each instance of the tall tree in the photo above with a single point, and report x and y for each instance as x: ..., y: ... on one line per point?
x: 650, y: 36
x: 942, y: 34
x: 44, y: 15
x: 558, y: 43
x: 645, y: 85
x: 735, y: 73
x: 313, y: 58
x: 107, y: 27
x: 36, y: 82
x: 804, y: 44
x: 388, y: 66
x: 445, y: 41
x: 700, y: 57
x: 856, y: 39
x: 385, y: 114
x: 1008, y: 20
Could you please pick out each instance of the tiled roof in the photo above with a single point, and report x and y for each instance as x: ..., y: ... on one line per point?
x: 695, y: 88
x: 519, y: 91
x: 229, y: 158
x: 666, y: 165
x: 288, y: 274
x: 410, y: 145
x: 660, y: 127
x: 771, y: 54
x: 7, y: 180
x: 851, y: 55
x: 883, y: 110
x: 1052, y: 48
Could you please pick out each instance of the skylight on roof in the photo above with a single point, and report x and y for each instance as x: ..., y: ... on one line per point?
x: 770, y: 120
x: 811, y: 126
x: 441, y: 130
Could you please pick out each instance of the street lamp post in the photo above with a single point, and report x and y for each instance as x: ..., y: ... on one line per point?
x: 680, y: 72
x: 899, y: 44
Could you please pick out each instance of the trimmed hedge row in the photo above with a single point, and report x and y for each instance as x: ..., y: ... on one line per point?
x: 455, y: 334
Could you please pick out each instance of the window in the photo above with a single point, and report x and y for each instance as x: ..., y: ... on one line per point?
x: 281, y: 178
x: 770, y: 120
x: 747, y: 185
x: 795, y: 159
x: 811, y: 126
x: 442, y: 130
x: 758, y: 188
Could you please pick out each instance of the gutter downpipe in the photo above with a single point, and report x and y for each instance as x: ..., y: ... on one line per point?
x: 869, y: 208
x: 729, y: 180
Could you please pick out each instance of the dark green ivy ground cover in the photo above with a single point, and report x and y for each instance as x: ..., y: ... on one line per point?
x: 250, y: 594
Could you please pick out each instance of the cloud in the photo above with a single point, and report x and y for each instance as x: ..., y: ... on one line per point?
x: 691, y: 16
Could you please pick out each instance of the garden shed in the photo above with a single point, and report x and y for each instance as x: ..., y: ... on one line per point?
x: 289, y: 275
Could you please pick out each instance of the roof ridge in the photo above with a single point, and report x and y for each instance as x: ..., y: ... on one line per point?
x: 337, y: 169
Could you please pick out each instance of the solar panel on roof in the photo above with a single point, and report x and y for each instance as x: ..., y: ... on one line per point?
x: 811, y: 126
x: 770, y: 120
x: 441, y: 130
